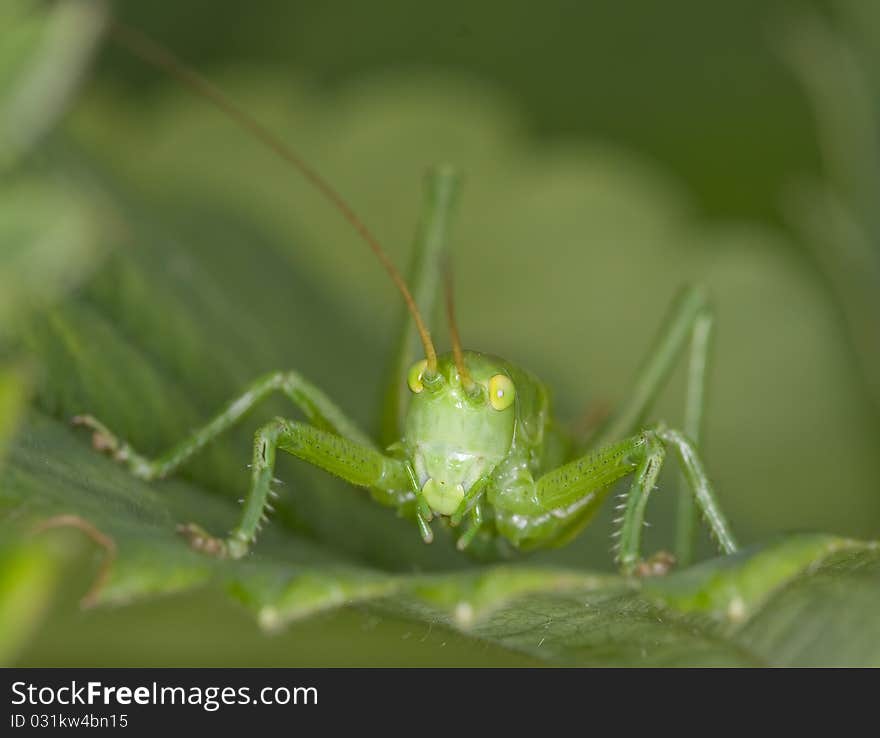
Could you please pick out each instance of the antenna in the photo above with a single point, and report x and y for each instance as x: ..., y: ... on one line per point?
x: 458, y: 356
x: 157, y: 55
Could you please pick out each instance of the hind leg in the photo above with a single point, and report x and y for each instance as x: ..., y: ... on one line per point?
x: 319, y: 410
x: 691, y: 321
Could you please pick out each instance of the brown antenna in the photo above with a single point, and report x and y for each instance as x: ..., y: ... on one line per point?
x: 102, y: 539
x: 157, y: 55
x: 457, y: 354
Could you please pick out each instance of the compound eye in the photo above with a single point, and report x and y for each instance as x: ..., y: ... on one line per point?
x: 414, y: 376
x: 501, y: 392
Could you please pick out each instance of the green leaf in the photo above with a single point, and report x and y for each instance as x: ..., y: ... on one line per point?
x: 49, y: 232
x: 49, y: 241
x: 28, y: 575
x: 43, y: 53
x: 50, y: 238
x: 806, y: 600
x: 12, y: 404
x: 227, y: 268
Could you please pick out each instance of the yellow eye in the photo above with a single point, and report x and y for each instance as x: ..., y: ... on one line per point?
x: 501, y: 392
x: 414, y: 376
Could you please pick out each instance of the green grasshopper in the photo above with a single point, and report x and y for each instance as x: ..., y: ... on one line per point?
x: 468, y: 439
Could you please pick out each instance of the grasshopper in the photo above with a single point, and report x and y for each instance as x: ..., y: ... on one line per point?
x: 470, y: 440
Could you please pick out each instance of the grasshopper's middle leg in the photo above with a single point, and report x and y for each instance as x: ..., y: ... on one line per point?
x: 357, y: 464
x: 642, y: 455
x: 691, y: 319
x: 315, y: 405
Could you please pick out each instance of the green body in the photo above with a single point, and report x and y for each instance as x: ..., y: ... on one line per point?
x: 501, y: 474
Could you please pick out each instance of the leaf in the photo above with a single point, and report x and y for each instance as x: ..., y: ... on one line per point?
x: 220, y: 277
x: 49, y: 240
x: 43, y: 56
x: 806, y: 600
x: 47, y: 231
x: 28, y: 575
x: 12, y: 404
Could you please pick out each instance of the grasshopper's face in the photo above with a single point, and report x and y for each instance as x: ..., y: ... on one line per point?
x: 455, y: 437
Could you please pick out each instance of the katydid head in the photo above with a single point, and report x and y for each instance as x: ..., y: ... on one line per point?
x: 456, y: 432
x: 461, y: 420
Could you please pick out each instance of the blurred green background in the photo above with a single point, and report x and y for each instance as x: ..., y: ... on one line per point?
x: 612, y: 152
x: 696, y: 87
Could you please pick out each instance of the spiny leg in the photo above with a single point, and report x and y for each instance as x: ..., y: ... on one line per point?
x: 441, y: 189
x: 695, y: 406
x: 691, y: 318
x: 697, y: 485
x: 315, y: 405
x: 554, y: 508
x: 628, y: 546
x: 592, y: 475
x: 357, y: 464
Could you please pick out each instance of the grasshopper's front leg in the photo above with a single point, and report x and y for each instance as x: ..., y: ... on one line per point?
x: 355, y: 463
x: 590, y: 478
x: 330, y: 432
